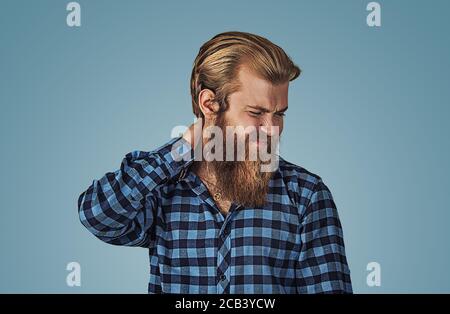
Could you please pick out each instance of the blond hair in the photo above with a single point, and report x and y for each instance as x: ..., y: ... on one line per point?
x: 219, y: 59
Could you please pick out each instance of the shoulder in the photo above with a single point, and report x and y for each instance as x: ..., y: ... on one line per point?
x: 302, y: 184
x: 299, y: 174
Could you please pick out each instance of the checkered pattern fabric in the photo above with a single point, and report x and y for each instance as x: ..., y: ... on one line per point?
x: 292, y: 244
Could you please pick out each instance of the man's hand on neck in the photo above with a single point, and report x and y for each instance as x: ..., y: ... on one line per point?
x: 194, y: 133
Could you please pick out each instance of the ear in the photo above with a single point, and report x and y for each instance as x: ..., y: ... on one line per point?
x: 207, y: 105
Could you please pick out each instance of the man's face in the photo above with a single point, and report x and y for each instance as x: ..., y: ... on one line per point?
x: 261, y: 105
x: 258, y: 103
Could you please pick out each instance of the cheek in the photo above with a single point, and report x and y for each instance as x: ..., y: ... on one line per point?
x: 240, y: 120
x: 246, y: 121
x: 250, y: 125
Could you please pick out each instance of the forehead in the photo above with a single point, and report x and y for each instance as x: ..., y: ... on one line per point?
x: 257, y: 91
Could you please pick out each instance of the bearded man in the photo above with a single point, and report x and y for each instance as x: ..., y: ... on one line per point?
x: 214, y: 222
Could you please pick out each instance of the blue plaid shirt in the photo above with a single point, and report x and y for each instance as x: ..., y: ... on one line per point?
x: 294, y: 244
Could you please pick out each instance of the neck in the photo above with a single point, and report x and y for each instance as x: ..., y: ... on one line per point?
x: 208, y: 177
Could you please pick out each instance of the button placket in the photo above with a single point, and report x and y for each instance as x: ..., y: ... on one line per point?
x: 224, y: 255
x: 223, y: 265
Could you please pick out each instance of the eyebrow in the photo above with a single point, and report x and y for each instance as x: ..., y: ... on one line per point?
x: 263, y: 109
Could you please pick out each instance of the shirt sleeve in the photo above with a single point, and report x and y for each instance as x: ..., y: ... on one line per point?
x: 119, y: 208
x: 322, y: 265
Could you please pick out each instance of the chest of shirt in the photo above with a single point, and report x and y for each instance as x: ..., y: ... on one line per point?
x: 189, y: 228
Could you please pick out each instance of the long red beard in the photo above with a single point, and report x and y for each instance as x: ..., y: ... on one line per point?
x: 241, y: 182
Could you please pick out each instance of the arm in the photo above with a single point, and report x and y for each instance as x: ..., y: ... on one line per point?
x: 119, y: 207
x: 322, y: 265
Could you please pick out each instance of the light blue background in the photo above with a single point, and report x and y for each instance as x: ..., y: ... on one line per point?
x: 369, y: 114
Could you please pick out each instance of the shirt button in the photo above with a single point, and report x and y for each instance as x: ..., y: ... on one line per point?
x: 222, y: 277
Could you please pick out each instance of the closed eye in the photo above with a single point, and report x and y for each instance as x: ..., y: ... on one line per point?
x: 255, y: 113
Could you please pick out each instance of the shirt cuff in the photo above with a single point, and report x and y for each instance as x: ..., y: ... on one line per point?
x: 177, y: 155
